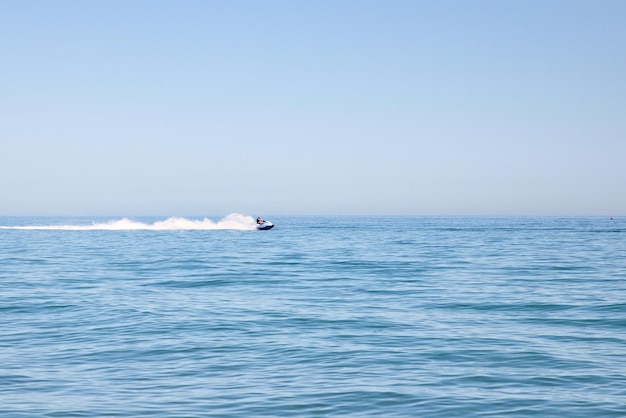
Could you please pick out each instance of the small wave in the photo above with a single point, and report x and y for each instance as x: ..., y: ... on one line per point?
x: 233, y: 221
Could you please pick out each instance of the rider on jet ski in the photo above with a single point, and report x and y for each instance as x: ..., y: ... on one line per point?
x: 263, y: 225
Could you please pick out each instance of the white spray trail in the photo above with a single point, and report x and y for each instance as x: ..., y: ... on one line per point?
x: 233, y: 221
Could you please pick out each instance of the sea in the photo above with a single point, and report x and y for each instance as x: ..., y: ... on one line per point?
x: 319, y: 317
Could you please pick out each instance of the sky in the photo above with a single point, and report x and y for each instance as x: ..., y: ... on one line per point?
x: 347, y: 107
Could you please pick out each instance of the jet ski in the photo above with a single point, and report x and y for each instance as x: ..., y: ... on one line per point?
x: 264, y: 225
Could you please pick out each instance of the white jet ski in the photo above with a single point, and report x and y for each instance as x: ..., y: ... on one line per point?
x: 265, y: 225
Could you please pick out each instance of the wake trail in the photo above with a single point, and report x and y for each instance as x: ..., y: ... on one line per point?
x: 234, y: 221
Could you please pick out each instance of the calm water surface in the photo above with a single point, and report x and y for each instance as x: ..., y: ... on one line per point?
x: 381, y: 316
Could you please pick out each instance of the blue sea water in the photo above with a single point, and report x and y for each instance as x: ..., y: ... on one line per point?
x: 330, y: 316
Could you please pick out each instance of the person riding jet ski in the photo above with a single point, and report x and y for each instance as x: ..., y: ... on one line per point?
x: 263, y: 225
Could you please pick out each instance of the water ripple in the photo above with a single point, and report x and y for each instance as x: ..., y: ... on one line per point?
x: 376, y: 317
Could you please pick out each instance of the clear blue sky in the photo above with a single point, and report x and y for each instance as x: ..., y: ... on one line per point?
x: 313, y: 107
